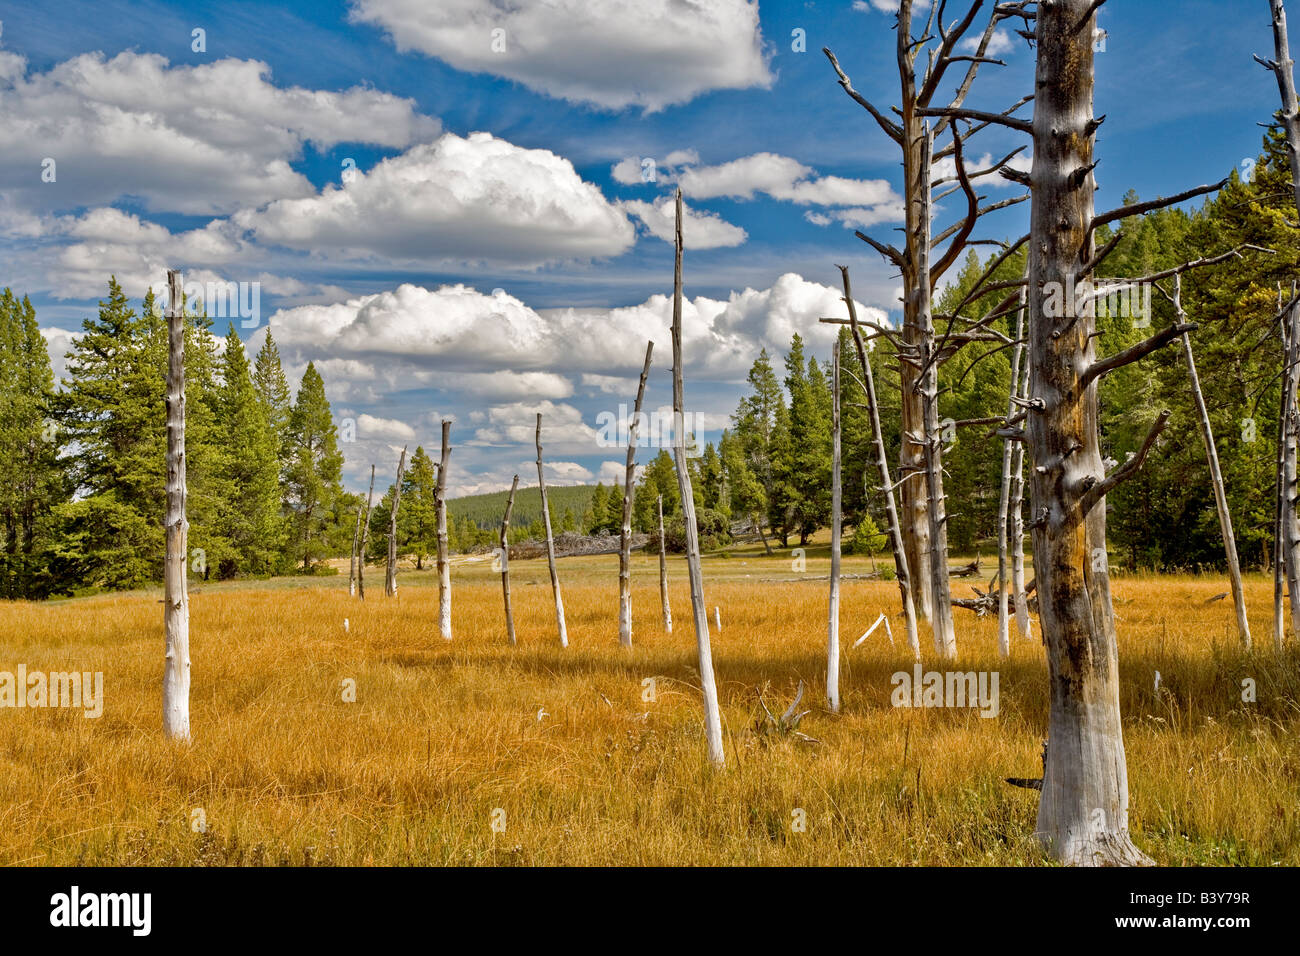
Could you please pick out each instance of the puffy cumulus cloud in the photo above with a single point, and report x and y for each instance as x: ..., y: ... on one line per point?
x: 58, y: 342
x: 564, y: 430
x: 633, y: 170
x: 477, y: 198
x: 384, y: 429
x: 700, y: 230
x: 864, y: 201
x: 201, y: 139
x: 455, y: 335
x: 999, y: 43
x: 611, y: 53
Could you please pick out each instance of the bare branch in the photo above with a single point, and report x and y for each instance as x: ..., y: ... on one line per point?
x: 892, y: 129
x: 1140, y: 207
x: 1134, y: 352
x: 1097, y: 490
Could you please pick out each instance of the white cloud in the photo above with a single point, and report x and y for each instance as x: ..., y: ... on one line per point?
x: 817, y: 219
x: 790, y: 180
x: 460, y: 199
x: 700, y: 230
x: 387, y: 429
x: 999, y: 43
x: 193, y: 139
x: 612, y: 53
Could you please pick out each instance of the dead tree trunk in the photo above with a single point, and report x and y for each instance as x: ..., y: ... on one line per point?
x: 1018, y: 519
x: 1287, y: 544
x: 1004, y: 502
x: 444, y: 568
x: 833, y: 614
x: 505, y: 562
x: 352, y: 566
x: 625, y: 533
x: 758, y: 524
x: 390, y: 580
x: 176, y: 601
x: 365, y: 539
x: 902, y: 569
x: 945, y: 640
x: 1216, y: 474
x: 663, y: 571
x: 712, y: 716
x: 550, y: 542
x: 1083, y: 812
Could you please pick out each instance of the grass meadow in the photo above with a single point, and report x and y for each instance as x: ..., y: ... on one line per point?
x: 476, y: 753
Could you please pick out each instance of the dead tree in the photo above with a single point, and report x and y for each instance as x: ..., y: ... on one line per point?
x: 625, y: 532
x: 444, y: 568
x: 663, y: 571
x: 922, y: 265
x: 1009, y: 446
x: 1083, y: 812
x: 390, y: 580
x: 352, y: 566
x: 365, y: 538
x: 833, y: 614
x: 550, y: 542
x: 887, y: 486
x: 1216, y: 473
x: 708, y: 685
x: 1286, y: 543
x: 176, y: 601
x: 505, y: 562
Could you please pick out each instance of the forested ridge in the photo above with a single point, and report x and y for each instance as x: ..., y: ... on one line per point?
x: 81, y: 493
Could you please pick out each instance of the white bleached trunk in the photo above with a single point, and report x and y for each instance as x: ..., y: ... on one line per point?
x: 444, y: 567
x: 1004, y: 502
x: 663, y: 571
x: 833, y: 613
x: 625, y: 532
x: 550, y: 542
x: 505, y: 562
x: 365, y: 539
x: 708, y: 684
x: 176, y: 602
x: 390, y: 580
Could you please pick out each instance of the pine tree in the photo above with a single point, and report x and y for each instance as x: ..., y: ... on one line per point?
x: 315, y: 465
x: 418, y: 520
x: 273, y: 390
x: 253, y: 523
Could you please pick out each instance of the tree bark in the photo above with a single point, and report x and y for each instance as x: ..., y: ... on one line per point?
x: 625, y: 533
x: 390, y: 580
x: 352, y: 566
x: 444, y: 568
x: 176, y: 601
x: 505, y: 563
x: 365, y: 539
x: 1216, y: 475
x: 712, y: 715
x: 833, y: 613
x: 550, y: 542
x: 1083, y: 811
x: 663, y: 571
x: 902, y: 569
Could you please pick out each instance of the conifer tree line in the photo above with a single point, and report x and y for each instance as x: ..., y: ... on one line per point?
x: 82, y: 462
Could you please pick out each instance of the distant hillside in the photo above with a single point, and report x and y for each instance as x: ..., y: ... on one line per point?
x: 486, y: 510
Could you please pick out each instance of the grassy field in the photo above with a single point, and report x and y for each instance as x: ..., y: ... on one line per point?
x: 563, y: 749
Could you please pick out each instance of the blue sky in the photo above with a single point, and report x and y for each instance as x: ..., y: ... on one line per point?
x: 227, y: 162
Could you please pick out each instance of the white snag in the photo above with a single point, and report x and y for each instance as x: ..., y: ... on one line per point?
x: 708, y: 684
x: 176, y: 602
x: 444, y: 568
x: 833, y: 610
x: 625, y: 530
x: 390, y: 581
x: 550, y: 542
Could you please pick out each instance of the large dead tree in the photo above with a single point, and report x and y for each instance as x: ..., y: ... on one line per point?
x: 505, y: 562
x: 1009, y: 460
x: 625, y: 531
x: 176, y: 600
x: 922, y: 265
x: 1083, y: 812
x: 708, y: 684
x: 550, y: 542
x: 444, y: 567
x: 1286, y: 545
x: 390, y: 579
x: 365, y: 538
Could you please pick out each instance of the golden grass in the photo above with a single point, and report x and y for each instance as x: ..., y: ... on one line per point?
x: 442, y: 735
